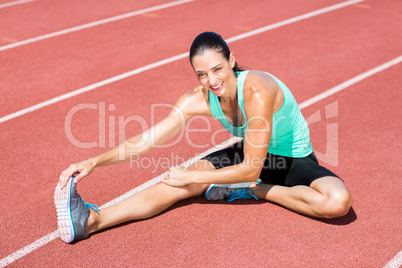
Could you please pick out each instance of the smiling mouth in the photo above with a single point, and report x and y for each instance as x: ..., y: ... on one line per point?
x: 218, y: 87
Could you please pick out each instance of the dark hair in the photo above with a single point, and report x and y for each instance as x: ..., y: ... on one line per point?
x: 211, y: 40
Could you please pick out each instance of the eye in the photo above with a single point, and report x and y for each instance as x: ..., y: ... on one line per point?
x: 217, y: 69
x: 200, y: 74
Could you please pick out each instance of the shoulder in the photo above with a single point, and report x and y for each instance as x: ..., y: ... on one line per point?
x: 259, y: 81
x: 259, y: 87
x: 194, y: 101
x: 193, y: 97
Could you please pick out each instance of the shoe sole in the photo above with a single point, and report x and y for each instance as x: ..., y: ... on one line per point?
x: 209, y: 189
x: 62, y: 201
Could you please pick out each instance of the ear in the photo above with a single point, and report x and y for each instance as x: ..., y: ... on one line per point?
x: 232, y: 60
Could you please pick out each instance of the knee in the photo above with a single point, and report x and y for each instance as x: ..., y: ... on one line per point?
x: 338, y: 204
x: 184, y: 192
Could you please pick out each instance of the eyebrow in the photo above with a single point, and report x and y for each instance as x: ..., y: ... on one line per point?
x: 211, y: 68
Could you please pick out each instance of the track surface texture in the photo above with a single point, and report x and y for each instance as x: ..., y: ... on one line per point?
x: 354, y: 131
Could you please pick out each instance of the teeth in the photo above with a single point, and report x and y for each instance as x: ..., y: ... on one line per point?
x: 217, y: 86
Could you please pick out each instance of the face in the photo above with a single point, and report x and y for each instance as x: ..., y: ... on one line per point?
x: 215, y: 72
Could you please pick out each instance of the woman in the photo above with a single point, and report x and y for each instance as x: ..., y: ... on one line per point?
x: 275, y: 161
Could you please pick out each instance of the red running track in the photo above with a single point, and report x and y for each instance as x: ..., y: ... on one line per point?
x: 310, y: 56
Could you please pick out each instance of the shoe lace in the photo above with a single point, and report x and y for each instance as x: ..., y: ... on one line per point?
x: 94, y: 207
x: 242, y: 193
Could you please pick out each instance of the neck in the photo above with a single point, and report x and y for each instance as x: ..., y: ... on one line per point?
x: 231, y: 95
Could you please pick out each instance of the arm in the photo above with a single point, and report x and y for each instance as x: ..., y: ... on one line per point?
x: 190, y: 103
x: 145, y: 142
x: 260, y: 98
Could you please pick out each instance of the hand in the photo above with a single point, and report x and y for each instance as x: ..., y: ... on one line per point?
x: 80, y: 170
x: 177, y: 176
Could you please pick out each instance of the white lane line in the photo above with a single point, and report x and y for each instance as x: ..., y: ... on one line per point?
x: 350, y: 82
x: 92, y: 87
x: 157, y: 179
x: 396, y: 262
x: 93, y: 24
x: 28, y: 249
x: 50, y: 237
x: 169, y: 60
x: 15, y: 3
x: 294, y: 19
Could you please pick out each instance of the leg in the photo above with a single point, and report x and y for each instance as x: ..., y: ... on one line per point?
x: 145, y: 204
x: 326, y: 197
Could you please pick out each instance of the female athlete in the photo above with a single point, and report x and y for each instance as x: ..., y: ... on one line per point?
x: 274, y: 161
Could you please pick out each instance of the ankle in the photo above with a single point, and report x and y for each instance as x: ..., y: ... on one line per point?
x: 253, y: 185
x: 91, y: 224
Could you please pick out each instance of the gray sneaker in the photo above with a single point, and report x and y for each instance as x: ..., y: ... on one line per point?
x: 72, y: 212
x: 230, y: 191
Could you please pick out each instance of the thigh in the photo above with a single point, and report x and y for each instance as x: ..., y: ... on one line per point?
x: 276, y: 169
x: 230, y: 156
x: 306, y: 170
x: 288, y: 171
x: 329, y: 186
x: 175, y: 193
x: 196, y: 189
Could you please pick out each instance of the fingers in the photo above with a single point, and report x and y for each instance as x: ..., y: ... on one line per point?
x: 172, y: 182
x: 80, y: 176
x: 78, y: 170
x: 180, y: 169
x: 173, y: 173
x: 66, y: 175
x: 166, y: 181
x: 169, y: 178
x: 176, y: 177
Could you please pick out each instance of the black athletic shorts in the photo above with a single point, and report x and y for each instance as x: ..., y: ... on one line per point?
x: 281, y: 170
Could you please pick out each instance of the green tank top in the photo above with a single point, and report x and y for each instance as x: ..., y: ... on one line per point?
x: 290, y: 135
